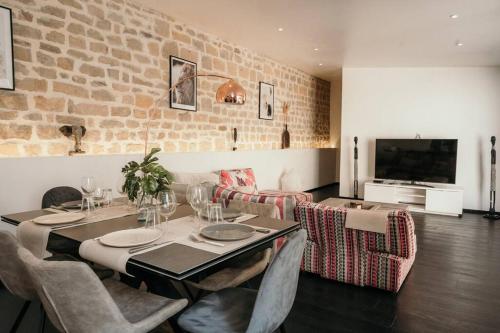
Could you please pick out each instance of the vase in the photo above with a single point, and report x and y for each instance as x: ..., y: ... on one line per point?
x: 285, y: 138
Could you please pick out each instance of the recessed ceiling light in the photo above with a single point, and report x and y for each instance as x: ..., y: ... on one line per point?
x: 280, y: 29
x: 453, y: 16
x: 320, y: 65
x: 316, y: 49
x: 459, y: 44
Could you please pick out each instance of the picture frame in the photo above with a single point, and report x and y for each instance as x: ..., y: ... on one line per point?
x: 7, y: 81
x: 266, y: 101
x: 185, y: 95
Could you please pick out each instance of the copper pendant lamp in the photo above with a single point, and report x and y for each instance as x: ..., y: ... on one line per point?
x: 230, y: 92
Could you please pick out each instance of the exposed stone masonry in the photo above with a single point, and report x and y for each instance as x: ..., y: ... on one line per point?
x: 102, y: 64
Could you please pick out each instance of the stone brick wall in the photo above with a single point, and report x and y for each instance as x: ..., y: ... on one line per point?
x: 102, y: 63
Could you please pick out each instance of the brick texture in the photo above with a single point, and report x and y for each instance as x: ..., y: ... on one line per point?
x: 102, y: 63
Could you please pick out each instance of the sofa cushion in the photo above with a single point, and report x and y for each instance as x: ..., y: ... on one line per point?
x: 192, y: 178
x: 238, y: 178
x: 180, y: 190
x: 290, y: 181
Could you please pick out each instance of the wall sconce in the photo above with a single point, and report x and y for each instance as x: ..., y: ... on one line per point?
x: 77, y: 132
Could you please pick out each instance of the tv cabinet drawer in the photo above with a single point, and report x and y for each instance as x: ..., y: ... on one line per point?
x: 380, y: 193
x: 439, y: 201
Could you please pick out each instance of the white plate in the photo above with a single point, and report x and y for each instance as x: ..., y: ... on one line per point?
x: 130, y: 237
x: 59, y: 218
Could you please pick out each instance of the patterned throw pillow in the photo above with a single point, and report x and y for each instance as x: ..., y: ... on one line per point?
x: 238, y: 178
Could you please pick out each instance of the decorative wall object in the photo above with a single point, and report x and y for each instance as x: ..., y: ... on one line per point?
x: 266, y: 101
x: 77, y: 133
x: 356, y: 182
x: 285, y: 136
x: 183, y: 97
x: 235, y: 138
x: 6, y: 50
x: 103, y: 66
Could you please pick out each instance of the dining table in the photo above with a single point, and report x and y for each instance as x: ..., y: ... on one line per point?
x: 173, y: 262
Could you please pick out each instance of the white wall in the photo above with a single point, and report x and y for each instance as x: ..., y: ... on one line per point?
x: 462, y: 103
x: 24, y: 180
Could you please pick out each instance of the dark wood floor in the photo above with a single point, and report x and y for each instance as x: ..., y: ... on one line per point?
x: 454, y: 286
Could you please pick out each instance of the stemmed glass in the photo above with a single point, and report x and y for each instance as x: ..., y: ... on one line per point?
x: 197, y: 197
x: 88, y: 187
x: 167, y: 203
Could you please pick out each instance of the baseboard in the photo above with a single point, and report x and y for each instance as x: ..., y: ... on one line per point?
x: 322, y: 187
x: 475, y: 211
x: 350, y: 198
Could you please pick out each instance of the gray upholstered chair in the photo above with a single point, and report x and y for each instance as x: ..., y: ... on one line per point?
x: 77, y: 301
x: 248, y: 268
x: 59, y: 195
x: 246, y: 310
x: 14, y: 275
x: 64, y: 249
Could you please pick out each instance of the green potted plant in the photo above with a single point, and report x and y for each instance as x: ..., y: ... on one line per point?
x: 144, y: 181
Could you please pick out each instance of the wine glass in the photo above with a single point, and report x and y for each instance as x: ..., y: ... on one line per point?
x: 197, y: 197
x: 88, y: 188
x: 167, y: 203
x: 88, y: 185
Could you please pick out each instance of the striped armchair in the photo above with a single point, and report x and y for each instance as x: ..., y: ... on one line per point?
x: 354, y: 256
x: 240, y: 184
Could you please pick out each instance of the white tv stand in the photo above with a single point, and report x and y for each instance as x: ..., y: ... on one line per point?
x: 441, y: 199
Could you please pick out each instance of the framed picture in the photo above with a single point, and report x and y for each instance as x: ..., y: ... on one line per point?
x: 6, y: 50
x: 266, y: 101
x: 183, y: 73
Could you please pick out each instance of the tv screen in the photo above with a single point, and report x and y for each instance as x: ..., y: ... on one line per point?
x: 429, y: 160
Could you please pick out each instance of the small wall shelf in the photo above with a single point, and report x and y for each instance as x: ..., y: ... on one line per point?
x: 442, y: 199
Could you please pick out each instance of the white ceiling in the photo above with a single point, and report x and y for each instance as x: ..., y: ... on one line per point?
x: 351, y: 33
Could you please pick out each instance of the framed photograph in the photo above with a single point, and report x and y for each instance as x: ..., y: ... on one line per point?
x: 266, y: 101
x: 183, y: 73
x: 6, y: 50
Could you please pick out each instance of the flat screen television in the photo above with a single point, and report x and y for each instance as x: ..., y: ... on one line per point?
x: 416, y: 160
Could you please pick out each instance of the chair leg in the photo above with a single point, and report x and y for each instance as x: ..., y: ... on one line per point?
x: 43, y: 318
x: 20, y: 316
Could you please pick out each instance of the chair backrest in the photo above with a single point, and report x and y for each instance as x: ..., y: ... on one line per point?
x: 261, y: 209
x: 58, y: 195
x: 13, y: 272
x: 73, y: 296
x: 279, y: 285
